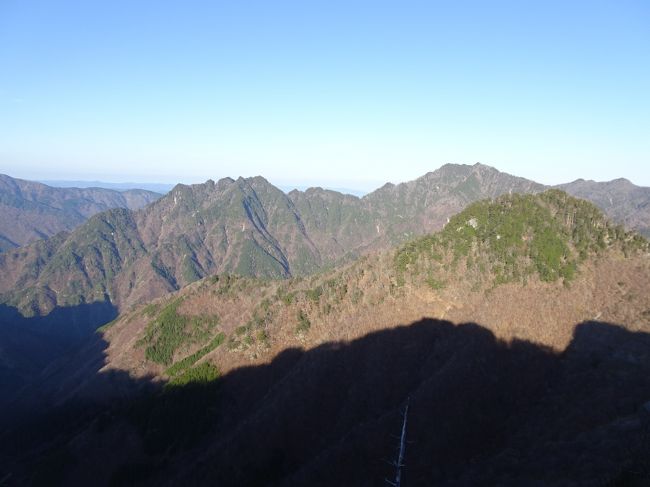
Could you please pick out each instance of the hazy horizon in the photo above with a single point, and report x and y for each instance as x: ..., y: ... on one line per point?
x: 362, y: 186
x: 345, y: 94
x: 349, y: 187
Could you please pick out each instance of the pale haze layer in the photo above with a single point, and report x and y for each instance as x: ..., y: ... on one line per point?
x: 344, y: 94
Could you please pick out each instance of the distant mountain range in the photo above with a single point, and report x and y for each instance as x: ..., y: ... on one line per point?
x: 161, y: 188
x: 249, y: 227
x: 621, y: 200
x: 244, y: 226
x: 32, y: 211
x: 354, y: 192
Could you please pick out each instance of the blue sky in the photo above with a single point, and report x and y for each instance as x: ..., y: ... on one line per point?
x: 348, y: 94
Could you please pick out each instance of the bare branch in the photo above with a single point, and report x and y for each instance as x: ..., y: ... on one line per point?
x: 399, y: 464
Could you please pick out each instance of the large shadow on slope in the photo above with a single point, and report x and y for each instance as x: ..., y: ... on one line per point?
x: 482, y: 412
x: 29, y: 346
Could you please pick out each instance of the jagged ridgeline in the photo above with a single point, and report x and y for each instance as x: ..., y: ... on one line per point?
x: 513, y: 238
x: 245, y: 226
x: 249, y: 227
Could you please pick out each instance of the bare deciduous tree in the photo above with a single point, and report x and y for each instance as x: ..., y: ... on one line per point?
x: 399, y: 463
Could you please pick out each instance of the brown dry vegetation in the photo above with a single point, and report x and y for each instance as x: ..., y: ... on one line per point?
x: 363, y: 298
x: 536, y: 394
x: 504, y: 262
x: 534, y: 381
x: 247, y: 227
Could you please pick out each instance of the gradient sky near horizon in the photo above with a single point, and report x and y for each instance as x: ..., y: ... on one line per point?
x: 339, y: 93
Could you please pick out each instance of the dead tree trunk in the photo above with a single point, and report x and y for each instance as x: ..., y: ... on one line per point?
x: 402, y: 448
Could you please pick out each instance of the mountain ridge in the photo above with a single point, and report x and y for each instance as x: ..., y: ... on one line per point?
x: 620, y: 199
x: 31, y: 211
x: 481, y: 325
x: 246, y: 226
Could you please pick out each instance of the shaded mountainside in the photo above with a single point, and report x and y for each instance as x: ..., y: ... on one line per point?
x: 483, y: 411
x: 28, y: 346
x: 31, y: 211
x: 302, y: 381
x: 247, y: 227
x: 619, y: 199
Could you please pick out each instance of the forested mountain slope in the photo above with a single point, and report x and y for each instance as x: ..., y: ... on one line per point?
x: 621, y: 200
x: 247, y: 227
x: 31, y: 211
x: 519, y: 334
